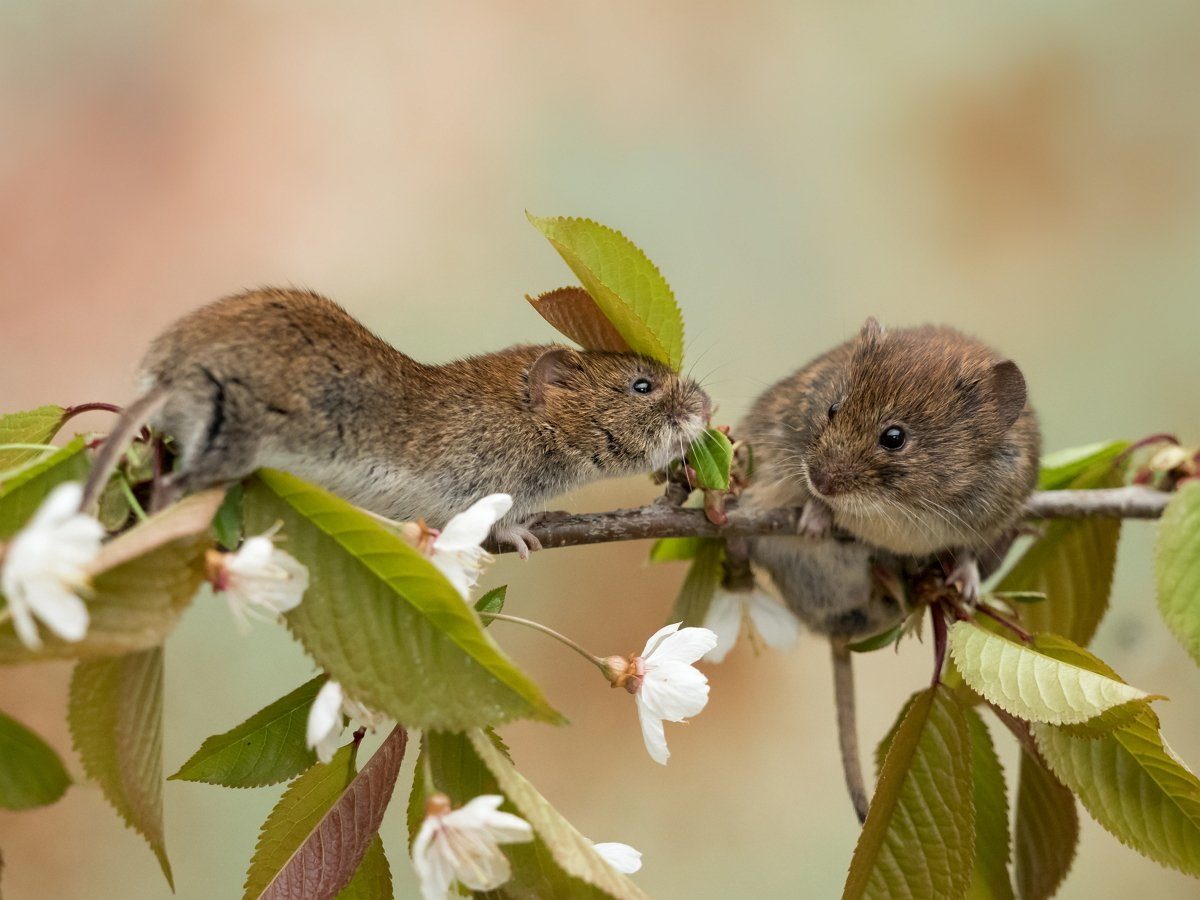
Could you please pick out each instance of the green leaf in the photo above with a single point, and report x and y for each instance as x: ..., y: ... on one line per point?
x: 1059, y: 469
x: 1031, y: 685
x: 1072, y: 562
x: 228, y: 521
x: 919, y: 837
x: 1133, y: 785
x: 627, y: 287
x: 1019, y: 596
x: 704, y: 574
x: 382, y: 621
x: 23, y: 493
x: 319, y: 832
x: 673, y: 549
x: 459, y: 771
x: 31, y: 774
x: 989, y: 879
x: 877, y: 641
x: 115, y: 714
x: 491, y: 602
x: 1046, y: 831
x: 35, y: 426
x: 373, y: 880
x: 267, y: 748
x: 1177, y: 566
x: 144, y: 579
x: 711, y: 455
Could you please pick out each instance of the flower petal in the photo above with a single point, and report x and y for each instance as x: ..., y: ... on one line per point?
x: 470, y: 528
x: 686, y: 646
x: 60, y: 610
x: 777, y: 625
x: 724, y: 619
x: 674, y: 691
x: 622, y: 857
x: 456, y: 573
x: 653, y: 735
x: 434, y: 870
x: 658, y: 637
x: 325, y: 715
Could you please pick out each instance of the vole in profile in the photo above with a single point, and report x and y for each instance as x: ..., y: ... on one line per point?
x: 288, y: 379
x: 918, y: 442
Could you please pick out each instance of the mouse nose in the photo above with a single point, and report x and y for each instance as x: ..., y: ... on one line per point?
x: 825, y: 482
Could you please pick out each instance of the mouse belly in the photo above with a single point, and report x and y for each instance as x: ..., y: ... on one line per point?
x: 912, y: 532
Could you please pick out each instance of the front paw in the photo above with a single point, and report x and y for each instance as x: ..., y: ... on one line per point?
x: 816, y: 520
x: 519, y: 536
x: 964, y: 575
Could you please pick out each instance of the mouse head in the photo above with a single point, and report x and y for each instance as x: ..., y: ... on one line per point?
x: 925, y: 414
x: 625, y: 412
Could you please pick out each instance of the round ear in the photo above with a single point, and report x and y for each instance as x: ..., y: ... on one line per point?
x: 1008, y: 387
x: 552, y: 369
x: 871, y: 331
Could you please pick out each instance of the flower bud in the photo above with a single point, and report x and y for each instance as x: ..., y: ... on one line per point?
x: 437, y: 804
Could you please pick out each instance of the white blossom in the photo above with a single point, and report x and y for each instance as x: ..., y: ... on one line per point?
x: 756, y: 611
x: 665, y: 684
x: 463, y: 845
x: 456, y: 551
x: 45, y: 567
x: 323, y: 732
x: 259, y: 580
x: 621, y: 857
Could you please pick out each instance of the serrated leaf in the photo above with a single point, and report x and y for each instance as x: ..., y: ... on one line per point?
x: 700, y: 584
x: 23, y: 493
x: 1177, y: 566
x: 919, y: 837
x: 1134, y: 786
x: 1072, y: 562
x: 228, y: 521
x: 989, y: 878
x: 34, y: 426
x: 382, y: 621
x: 267, y: 748
x: 115, y: 715
x: 31, y: 774
x: 1032, y: 685
x: 573, y: 312
x: 877, y: 641
x: 144, y: 579
x: 1045, y: 831
x: 319, y: 832
x: 373, y: 880
x: 675, y: 549
x: 627, y: 287
x: 491, y: 602
x: 711, y: 454
x: 1059, y: 469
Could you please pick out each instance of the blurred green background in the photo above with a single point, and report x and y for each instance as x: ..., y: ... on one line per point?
x: 1025, y: 171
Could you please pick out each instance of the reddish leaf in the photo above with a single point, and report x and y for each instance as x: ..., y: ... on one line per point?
x: 572, y: 311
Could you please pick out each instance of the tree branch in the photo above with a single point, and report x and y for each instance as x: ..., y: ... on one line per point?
x: 659, y: 520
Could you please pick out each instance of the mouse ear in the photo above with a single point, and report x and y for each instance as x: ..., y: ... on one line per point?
x: 552, y: 369
x: 871, y: 332
x: 1008, y: 387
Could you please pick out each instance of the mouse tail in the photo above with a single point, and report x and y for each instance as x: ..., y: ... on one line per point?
x: 847, y: 727
x: 132, y: 419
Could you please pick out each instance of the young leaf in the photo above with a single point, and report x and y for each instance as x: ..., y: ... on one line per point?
x: 877, y: 641
x: 700, y: 584
x: 627, y: 287
x: 1046, y: 831
x: 919, y: 837
x: 711, y: 455
x: 23, y: 493
x: 1031, y: 685
x: 416, y: 651
x: 266, y: 749
x: 1072, y: 562
x: 1177, y: 566
x: 989, y: 879
x: 319, y: 832
x: 115, y: 714
x: 675, y: 549
x: 35, y: 426
x: 373, y: 880
x: 142, y: 582
x: 1134, y: 786
x: 31, y: 774
x: 228, y: 521
x: 573, y: 312
x: 491, y: 602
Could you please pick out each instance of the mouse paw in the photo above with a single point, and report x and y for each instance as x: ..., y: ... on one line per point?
x: 816, y: 521
x: 519, y: 536
x: 965, y: 576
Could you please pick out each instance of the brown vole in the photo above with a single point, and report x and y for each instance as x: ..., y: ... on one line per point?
x: 288, y: 379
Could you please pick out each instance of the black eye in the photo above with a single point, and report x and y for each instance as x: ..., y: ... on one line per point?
x: 893, y: 438
x: 834, y: 407
x: 643, y: 386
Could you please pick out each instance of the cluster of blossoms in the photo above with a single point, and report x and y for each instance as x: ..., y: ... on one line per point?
x: 44, y: 575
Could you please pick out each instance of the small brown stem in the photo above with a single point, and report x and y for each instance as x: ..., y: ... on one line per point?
x: 1005, y: 621
x: 938, y: 615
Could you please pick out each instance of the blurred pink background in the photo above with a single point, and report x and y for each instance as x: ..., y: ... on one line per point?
x: 1027, y: 173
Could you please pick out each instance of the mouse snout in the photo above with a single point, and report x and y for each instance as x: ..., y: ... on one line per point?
x: 829, y: 481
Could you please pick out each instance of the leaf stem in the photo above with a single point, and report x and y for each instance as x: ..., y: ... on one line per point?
x: 938, y: 615
x: 1005, y: 621
x: 133, y: 501
x: 561, y: 638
